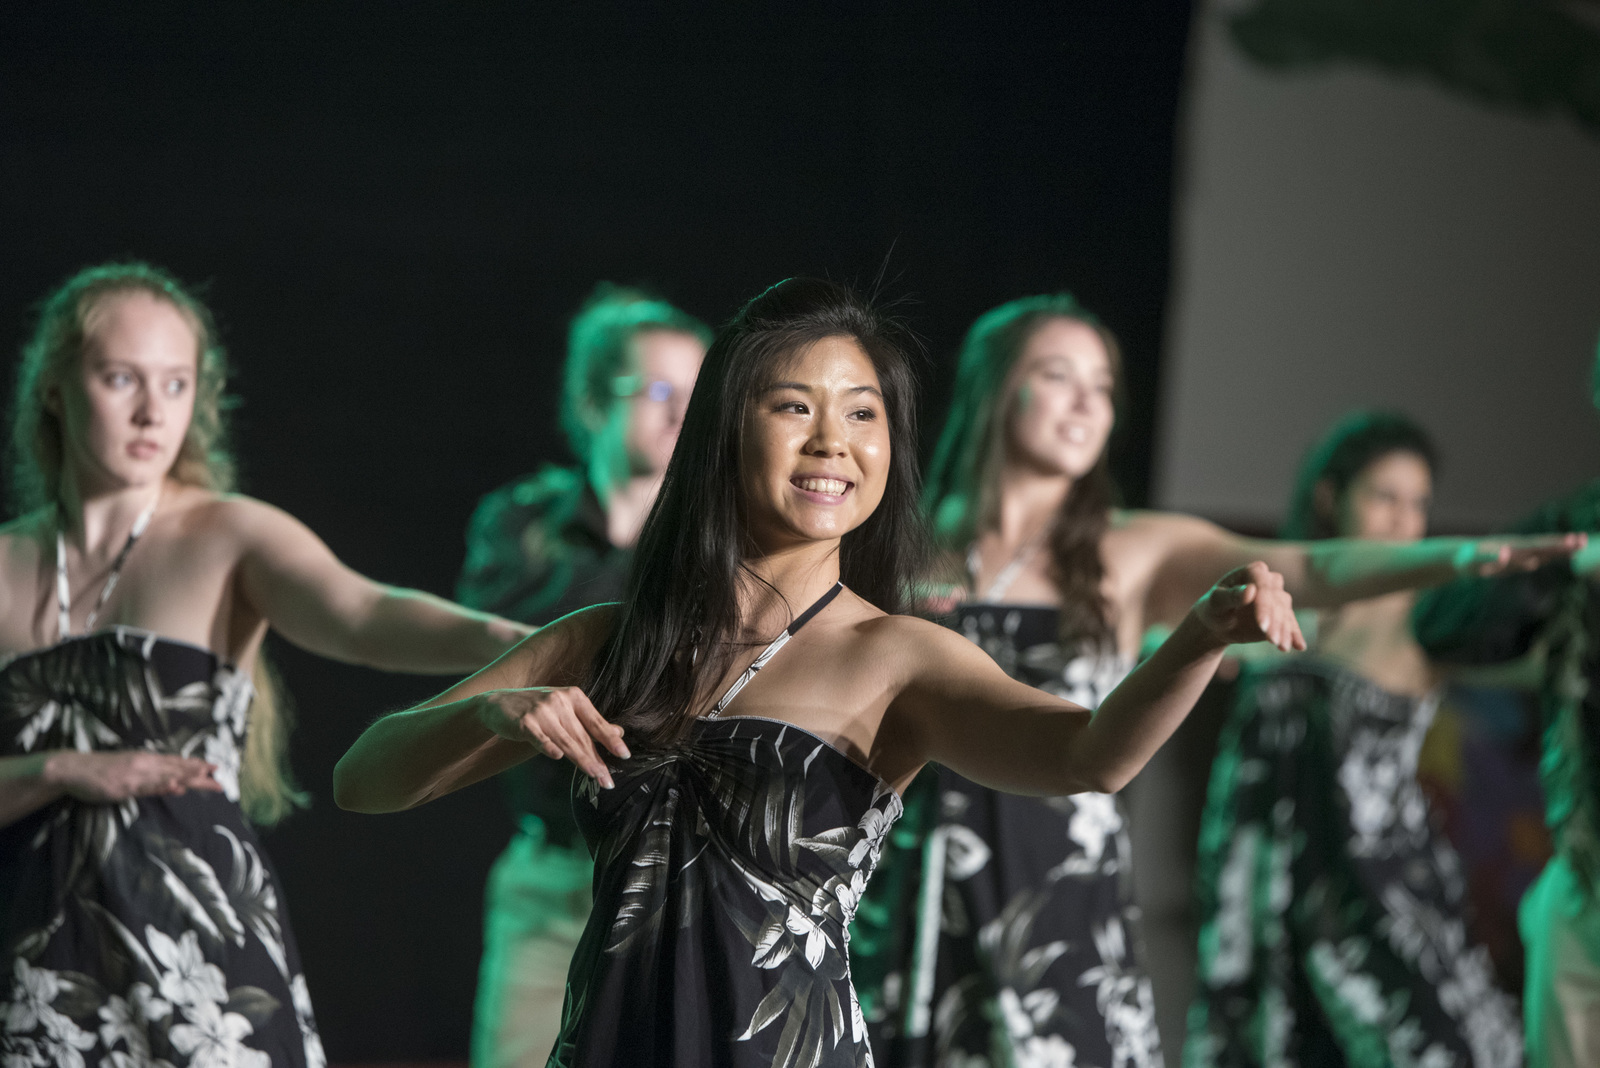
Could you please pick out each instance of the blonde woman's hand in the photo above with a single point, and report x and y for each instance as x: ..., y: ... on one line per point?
x: 1249, y: 604
x: 109, y: 778
x: 560, y: 720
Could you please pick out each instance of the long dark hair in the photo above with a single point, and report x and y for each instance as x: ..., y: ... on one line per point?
x: 1353, y: 444
x: 961, y: 496
x: 680, y: 621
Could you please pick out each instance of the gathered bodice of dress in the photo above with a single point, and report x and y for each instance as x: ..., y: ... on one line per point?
x: 125, y: 688
x: 726, y: 874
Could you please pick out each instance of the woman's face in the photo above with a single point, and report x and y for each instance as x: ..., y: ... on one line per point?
x: 125, y: 412
x: 1388, y: 500
x: 816, y: 446
x: 1060, y: 409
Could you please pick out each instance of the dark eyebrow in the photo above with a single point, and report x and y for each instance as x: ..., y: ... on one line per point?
x: 803, y: 388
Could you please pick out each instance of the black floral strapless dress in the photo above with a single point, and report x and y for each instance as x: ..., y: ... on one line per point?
x: 151, y: 933
x: 726, y: 875
x: 1332, y: 928
x: 1002, y: 930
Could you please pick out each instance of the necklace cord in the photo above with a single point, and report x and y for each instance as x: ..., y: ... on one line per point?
x: 63, y: 588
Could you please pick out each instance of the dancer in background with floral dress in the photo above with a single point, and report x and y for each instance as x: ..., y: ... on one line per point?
x: 1002, y: 930
x: 1332, y: 913
x: 140, y: 922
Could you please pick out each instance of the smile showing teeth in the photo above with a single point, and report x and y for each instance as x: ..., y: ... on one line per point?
x: 834, y: 487
x: 1077, y: 435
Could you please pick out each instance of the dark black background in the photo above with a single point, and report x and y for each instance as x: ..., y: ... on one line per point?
x: 395, y: 208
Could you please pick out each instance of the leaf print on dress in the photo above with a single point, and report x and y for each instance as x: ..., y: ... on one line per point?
x: 730, y: 869
x: 156, y: 920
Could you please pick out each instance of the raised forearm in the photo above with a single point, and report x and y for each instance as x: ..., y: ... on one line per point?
x: 407, y: 758
x: 1336, y: 572
x: 1139, y: 715
x: 1010, y: 737
x: 416, y: 632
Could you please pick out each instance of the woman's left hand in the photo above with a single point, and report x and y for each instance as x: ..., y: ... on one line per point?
x: 1249, y: 604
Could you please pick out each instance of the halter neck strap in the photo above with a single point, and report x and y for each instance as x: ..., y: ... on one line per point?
x: 772, y: 650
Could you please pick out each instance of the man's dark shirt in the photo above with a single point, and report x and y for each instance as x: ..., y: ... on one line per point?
x: 1488, y: 620
x: 536, y: 550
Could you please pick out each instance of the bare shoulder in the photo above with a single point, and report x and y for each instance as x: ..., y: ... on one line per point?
x: 23, y: 545
x: 1146, y: 524
x: 25, y: 531
x: 1139, y: 532
x: 232, y: 513
x: 909, y: 646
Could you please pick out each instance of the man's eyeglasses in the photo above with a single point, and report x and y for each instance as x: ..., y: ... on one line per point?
x: 656, y: 389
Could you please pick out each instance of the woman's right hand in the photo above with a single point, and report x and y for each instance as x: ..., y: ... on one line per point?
x: 109, y: 778
x: 560, y: 720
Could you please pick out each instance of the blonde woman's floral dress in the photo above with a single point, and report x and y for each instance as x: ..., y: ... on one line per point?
x: 1001, y: 931
x: 151, y: 933
x: 1331, y: 912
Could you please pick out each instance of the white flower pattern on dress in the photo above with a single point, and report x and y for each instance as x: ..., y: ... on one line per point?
x: 152, y: 994
x: 1312, y: 748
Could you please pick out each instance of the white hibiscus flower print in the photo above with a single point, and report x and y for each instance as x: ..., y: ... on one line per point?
x: 213, y: 1039
x: 189, y: 979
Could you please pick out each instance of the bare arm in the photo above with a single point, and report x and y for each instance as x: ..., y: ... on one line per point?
x: 318, y: 603
x: 968, y: 715
x: 526, y: 702
x: 1323, y: 574
x: 29, y: 783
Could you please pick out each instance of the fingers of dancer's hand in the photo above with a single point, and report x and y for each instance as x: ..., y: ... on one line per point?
x: 572, y: 734
x: 188, y: 773
x: 1525, y: 554
x: 600, y: 729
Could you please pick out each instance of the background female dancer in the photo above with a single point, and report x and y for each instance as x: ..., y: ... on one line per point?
x: 1331, y: 912
x: 141, y: 922
x: 732, y: 845
x: 1002, y: 929
x: 1489, y: 621
x: 551, y: 542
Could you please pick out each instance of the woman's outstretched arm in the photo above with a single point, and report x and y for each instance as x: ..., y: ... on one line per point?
x: 1190, y: 552
x: 524, y: 703
x: 310, y: 597
x: 968, y: 715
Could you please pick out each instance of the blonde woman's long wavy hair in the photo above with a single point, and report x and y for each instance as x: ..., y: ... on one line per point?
x: 50, y: 361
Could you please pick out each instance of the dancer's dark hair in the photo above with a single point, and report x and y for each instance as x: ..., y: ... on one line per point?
x: 1355, y: 442
x: 961, y: 496
x: 679, y: 624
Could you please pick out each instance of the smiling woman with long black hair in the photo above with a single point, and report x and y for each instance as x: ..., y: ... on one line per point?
x: 735, y: 828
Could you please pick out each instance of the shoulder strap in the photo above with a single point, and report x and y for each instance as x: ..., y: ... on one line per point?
x: 772, y: 650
